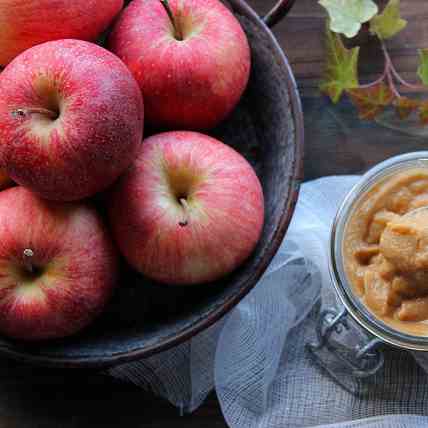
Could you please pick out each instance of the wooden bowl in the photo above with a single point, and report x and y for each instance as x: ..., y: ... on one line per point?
x: 145, y: 318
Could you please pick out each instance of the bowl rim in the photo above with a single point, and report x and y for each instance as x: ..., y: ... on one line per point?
x: 200, y: 325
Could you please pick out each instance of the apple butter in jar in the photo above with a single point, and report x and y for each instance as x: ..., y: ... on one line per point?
x: 385, y: 249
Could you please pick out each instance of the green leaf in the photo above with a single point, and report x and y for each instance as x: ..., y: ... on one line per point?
x: 372, y: 100
x: 346, y: 16
x: 389, y: 22
x: 341, y: 69
x: 423, y: 66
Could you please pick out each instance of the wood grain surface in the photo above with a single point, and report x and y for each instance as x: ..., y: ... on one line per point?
x: 336, y: 143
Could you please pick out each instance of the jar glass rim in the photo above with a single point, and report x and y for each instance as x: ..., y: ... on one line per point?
x: 349, y: 299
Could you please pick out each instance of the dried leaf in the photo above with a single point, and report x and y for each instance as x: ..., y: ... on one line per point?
x: 341, y: 71
x: 423, y: 66
x: 372, y: 100
x: 423, y: 112
x: 388, y: 23
x: 346, y: 16
x: 405, y: 106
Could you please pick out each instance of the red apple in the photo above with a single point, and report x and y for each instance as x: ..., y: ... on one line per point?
x: 190, y: 209
x: 58, y: 266
x: 28, y: 23
x: 5, y: 180
x: 193, y: 72
x: 71, y: 119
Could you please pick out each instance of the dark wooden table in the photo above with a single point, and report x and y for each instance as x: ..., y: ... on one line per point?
x: 336, y: 143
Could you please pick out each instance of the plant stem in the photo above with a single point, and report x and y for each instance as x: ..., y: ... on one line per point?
x: 186, y: 210
x: 177, y: 29
x: 379, y: 80
x: 26, y: 257
x: 23, y: 112
x: 391, y: 84
x: 394, y: 73
x: 389, y: 74
x: 409, y: 85
x: 388, y: 66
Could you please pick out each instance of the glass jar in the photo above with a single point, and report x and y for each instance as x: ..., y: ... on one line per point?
x: 365, y: 358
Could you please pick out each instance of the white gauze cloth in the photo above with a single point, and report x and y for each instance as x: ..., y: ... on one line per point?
x: 256, y: 360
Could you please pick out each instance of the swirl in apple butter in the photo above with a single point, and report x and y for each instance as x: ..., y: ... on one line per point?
x: 385, y: 249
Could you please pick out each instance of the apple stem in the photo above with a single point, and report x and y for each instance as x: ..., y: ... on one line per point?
x: 177, y: 28
x: 27, y: 256
x: 186, y: 210
x: 23, y: 112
